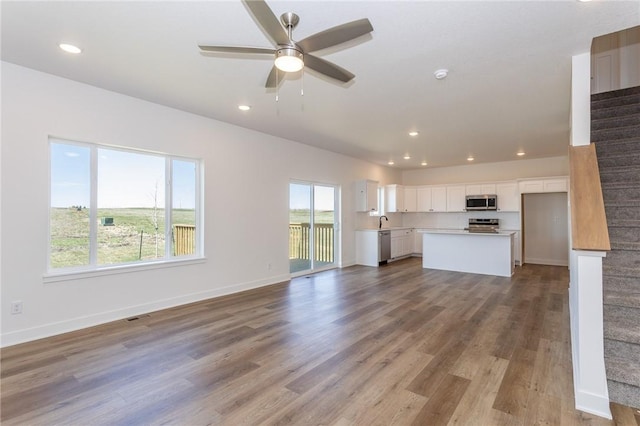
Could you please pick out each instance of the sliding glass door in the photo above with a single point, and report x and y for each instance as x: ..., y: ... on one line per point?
x: 313, y: 219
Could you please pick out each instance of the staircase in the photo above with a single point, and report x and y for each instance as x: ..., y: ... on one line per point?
x: 615, y: 129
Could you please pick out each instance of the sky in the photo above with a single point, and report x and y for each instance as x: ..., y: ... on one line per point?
x: 125, y: 178
x: 300, y: 195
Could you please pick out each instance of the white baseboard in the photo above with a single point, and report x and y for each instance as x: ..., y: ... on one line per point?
x: 52, y: 329
x: 593, y: 404
x: 550, y: 262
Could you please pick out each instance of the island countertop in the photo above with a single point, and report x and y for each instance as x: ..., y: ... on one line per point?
x: 465, y: 232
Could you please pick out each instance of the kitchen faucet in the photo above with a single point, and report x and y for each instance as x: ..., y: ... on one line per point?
x: 380, y: 221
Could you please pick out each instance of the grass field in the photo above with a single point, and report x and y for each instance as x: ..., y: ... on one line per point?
x: 122, y: 242
x: 132, y: 237
x: 302, y: 216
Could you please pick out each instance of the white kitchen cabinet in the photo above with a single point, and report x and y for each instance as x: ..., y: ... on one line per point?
x: 543, y: 185
x: 456, y: 201
x: 431, y: 199
x: 401, y: 243
x: 408, y: 242
x: 410, y: 199
x: 508, y: 197
x: 367, y: 247
x: 393, y: 198
x: 423, y: 199
x: 517, y: 248
x: 531, y: 186
x: 417, y: 242
x: 439, y: 198
x: 481, y: 189
x: 366, y: 196
x: 555, y: 185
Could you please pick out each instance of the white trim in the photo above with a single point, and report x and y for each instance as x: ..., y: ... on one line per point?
x: 52, y: 277
x: 587, y: 335
x: 78, y: 323
x: 550, y: 262
x: 581, y: 99
x: 592, y: 403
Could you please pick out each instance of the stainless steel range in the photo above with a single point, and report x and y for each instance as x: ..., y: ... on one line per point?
x: 490, y: 226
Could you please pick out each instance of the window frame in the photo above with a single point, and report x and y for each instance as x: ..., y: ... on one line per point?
x: 168, y: 259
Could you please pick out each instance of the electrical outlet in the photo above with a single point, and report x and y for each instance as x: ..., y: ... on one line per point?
x: 16, y: 307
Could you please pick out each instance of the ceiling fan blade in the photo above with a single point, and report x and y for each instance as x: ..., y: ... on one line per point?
x: 237, y: 49
x: 327, y: 68
x: 272, y: 80
x: 263, y: 14
x: 336, y: 35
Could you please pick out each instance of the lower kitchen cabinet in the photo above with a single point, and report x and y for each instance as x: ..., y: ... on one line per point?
x: 402, y: 242
x: 517, y: 248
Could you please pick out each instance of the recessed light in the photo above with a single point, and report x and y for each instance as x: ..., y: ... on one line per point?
x: 441, y: 74
x: 424, y: 163
x: 407, y: 157
x: 70, y: 48
x: 413, y: 133
x: 520, y: 154
x: 470, y: 158
x: 391, y: 163
x: 244, y: 107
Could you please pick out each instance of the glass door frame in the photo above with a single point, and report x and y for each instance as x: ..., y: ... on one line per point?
x: 336, y: 226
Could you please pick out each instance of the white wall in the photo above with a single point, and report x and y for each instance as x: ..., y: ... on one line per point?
x: 487, y: 172
x: 246, y: 202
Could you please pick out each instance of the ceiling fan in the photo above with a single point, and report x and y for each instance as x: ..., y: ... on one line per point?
x: 290, y: 55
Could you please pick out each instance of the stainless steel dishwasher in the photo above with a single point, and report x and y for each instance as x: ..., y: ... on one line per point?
x: 384, y: 246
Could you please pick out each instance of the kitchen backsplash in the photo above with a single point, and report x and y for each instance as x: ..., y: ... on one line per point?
x: 508, y: 220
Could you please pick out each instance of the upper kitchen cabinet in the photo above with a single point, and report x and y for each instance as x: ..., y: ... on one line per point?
x: 555, y: 185
x: 410, y: 199
x: 431, y: 199
x: 456, y: 198
x: 543, y: 185
x: 367, y: 196
x: 394, y: 198
x: 508, y: 197
x: 481, y: 189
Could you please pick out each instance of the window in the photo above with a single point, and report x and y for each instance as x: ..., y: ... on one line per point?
x: 112, y: 206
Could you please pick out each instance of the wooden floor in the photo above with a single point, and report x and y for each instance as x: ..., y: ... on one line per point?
x: 358, y: 346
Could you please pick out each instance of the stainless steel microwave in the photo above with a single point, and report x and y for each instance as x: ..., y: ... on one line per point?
x: 482, y: 202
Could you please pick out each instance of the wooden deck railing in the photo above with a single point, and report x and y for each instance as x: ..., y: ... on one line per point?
x: 184, y: 240
x: 588, y: 220
x: 323, y: 241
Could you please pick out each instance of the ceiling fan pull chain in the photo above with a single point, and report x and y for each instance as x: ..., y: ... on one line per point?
x: 277, y: 92
x: 302, y: 92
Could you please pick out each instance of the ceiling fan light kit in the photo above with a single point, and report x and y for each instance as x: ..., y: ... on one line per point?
x: 289, y: 59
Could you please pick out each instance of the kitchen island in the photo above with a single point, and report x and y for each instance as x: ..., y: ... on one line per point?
x: 464, y: 251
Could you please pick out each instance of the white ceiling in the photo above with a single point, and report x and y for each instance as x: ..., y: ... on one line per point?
x: 508, y: 88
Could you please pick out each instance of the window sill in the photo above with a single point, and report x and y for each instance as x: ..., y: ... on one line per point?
x: 52, y: 277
